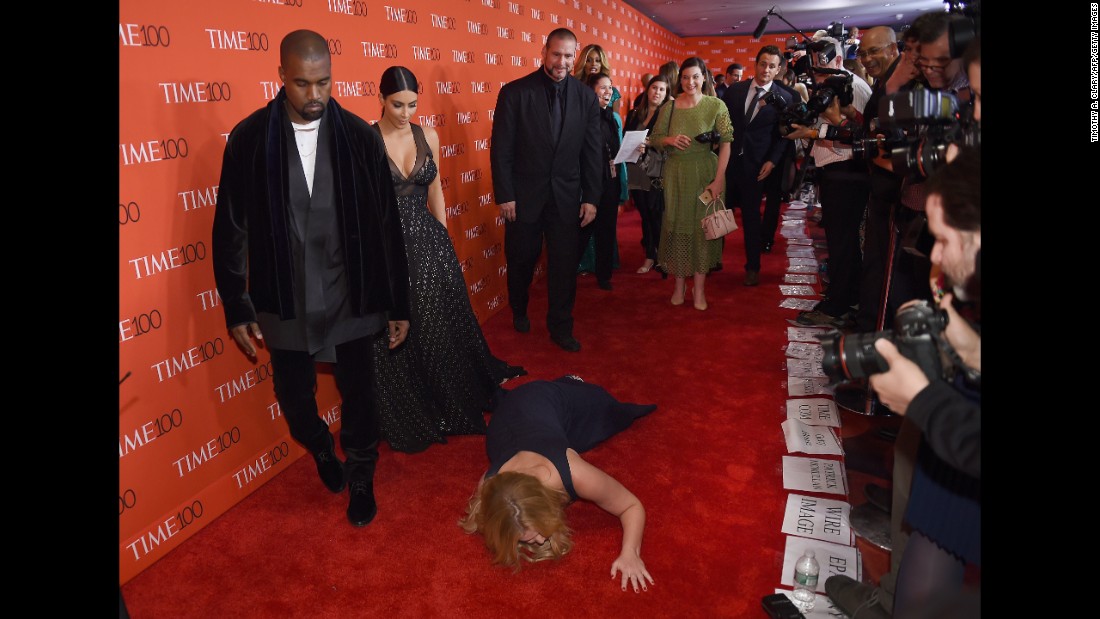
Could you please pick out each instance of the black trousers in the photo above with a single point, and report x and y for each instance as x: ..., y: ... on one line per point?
x: 603, y: 227
x: 651, y: 208
x: 742, y: 185
x: 522, y: 247
x: 295, y: 380
x: 844, y: 190
x: 773, y: 193
x: 885, y: 195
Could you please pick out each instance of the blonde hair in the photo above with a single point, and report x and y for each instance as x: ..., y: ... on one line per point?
x: 508, y: 504
x: 579, y: 69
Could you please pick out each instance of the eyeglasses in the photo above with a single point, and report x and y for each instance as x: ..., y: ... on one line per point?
x: 863, y: 53
x: 925, y: 63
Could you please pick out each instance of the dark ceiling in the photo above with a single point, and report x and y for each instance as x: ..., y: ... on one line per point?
x: 689, y: 18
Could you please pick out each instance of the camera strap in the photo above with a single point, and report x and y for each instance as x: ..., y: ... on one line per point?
x: 972, y: 376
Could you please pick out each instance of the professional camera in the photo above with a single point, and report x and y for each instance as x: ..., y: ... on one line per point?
x: 918, y: 335
x: 709, y: 137
x: 927, y: 121
x: 821, y: 97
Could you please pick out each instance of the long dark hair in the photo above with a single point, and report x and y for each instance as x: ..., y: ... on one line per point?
x: 708, y: 79
x: 643, y: 108
x: 397, y: 79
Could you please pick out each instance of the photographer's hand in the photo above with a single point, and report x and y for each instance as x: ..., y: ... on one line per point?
x: 898, y: 386
x: 964, y: 339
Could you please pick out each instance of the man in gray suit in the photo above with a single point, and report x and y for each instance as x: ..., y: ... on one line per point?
x: 546, y: 159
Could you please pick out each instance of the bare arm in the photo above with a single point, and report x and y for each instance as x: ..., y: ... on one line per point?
x: 436, y: 203
x: 594, y: 485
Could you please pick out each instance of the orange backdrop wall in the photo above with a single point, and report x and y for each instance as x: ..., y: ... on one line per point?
x: 199, y: 427
x: 720, y: 52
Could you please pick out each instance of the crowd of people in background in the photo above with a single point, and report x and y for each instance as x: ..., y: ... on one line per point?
x: 389, y: 301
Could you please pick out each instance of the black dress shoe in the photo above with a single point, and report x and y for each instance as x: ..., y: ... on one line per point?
x: 604, y: 285
x: 362, y: 508
x: 521, y: 323
x: 752, y: 278
x: 330, y: 468
x: 660, y: 269
x: 567, y: 342
x: 766, y: 247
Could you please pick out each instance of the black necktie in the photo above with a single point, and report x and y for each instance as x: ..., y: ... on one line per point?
x: 752, y: 106
x: 555, y: 112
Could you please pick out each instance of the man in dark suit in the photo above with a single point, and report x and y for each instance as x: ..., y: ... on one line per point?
x: 757, y: 147
x: 307, y: 245
x: 546, y: 158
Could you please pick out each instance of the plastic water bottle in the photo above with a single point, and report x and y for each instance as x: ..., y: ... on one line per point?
x: 805, y: 581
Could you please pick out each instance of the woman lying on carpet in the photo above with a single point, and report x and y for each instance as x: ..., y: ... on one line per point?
x: 533, y: 440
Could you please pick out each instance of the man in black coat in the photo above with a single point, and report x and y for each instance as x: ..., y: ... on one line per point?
x: 546, y: 158
x: 307, y: 244
x: 756, y: 149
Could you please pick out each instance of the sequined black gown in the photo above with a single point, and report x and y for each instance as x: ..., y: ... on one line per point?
x: 440, y: 380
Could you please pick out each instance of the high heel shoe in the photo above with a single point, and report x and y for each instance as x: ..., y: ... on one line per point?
x: 695, y: 301
x: 660, y: 269
x: 682, y: 295
x: 646, y: 267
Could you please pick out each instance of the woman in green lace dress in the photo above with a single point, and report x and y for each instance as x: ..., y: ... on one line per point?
x: 692, y: 167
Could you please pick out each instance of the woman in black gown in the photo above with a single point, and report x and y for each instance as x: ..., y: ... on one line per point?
x: 440, y: 381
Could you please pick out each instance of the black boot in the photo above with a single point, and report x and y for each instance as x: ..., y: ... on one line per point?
x: 329, y: 466
x: 360, y: 466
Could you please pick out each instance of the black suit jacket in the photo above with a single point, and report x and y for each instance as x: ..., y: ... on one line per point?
x: 527, y: 168
x: 759, y: 140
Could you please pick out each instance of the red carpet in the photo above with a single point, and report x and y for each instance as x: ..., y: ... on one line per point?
x: 706, y: 465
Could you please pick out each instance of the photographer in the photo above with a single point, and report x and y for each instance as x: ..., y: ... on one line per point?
x: 943, y: 510
x: 842, y: 180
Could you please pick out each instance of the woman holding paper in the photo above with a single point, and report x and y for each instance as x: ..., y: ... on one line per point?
x: 649, y: 202
x: 614, y: 185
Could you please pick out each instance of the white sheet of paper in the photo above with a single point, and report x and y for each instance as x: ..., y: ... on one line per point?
x: 823, y: 519
x: 791, y: 278
x: 628, y: 152
x: 802, y: 261
x: 808, y: 386
x: 796, y: 290
x: 810, y: 439
x: 801, y: 241
x: 805, y: 334
x: 804, y: 368
x: 802, y: 305
x: 814, y: 412
x: 800, y: 252
x: 796, y: 205
x: 802, y: 268
x: 815, y: 475
x: 832, y: 559
x: 805, y: 350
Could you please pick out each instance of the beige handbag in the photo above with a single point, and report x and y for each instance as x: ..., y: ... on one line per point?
x: 718, y: 221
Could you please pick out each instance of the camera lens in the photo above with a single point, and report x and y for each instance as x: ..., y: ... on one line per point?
x: 852, y: 357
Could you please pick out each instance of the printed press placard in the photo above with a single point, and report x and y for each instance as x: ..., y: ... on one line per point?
x: 823, y: 519
x: 815, y: 475
x: 804, y: 367
x: 808, y: 386
x: 810, y: 439
x: 805, y: 334
x: 832, y: 559
x: 814, y: 412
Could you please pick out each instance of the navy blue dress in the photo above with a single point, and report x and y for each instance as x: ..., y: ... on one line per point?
x: 548, y: 417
